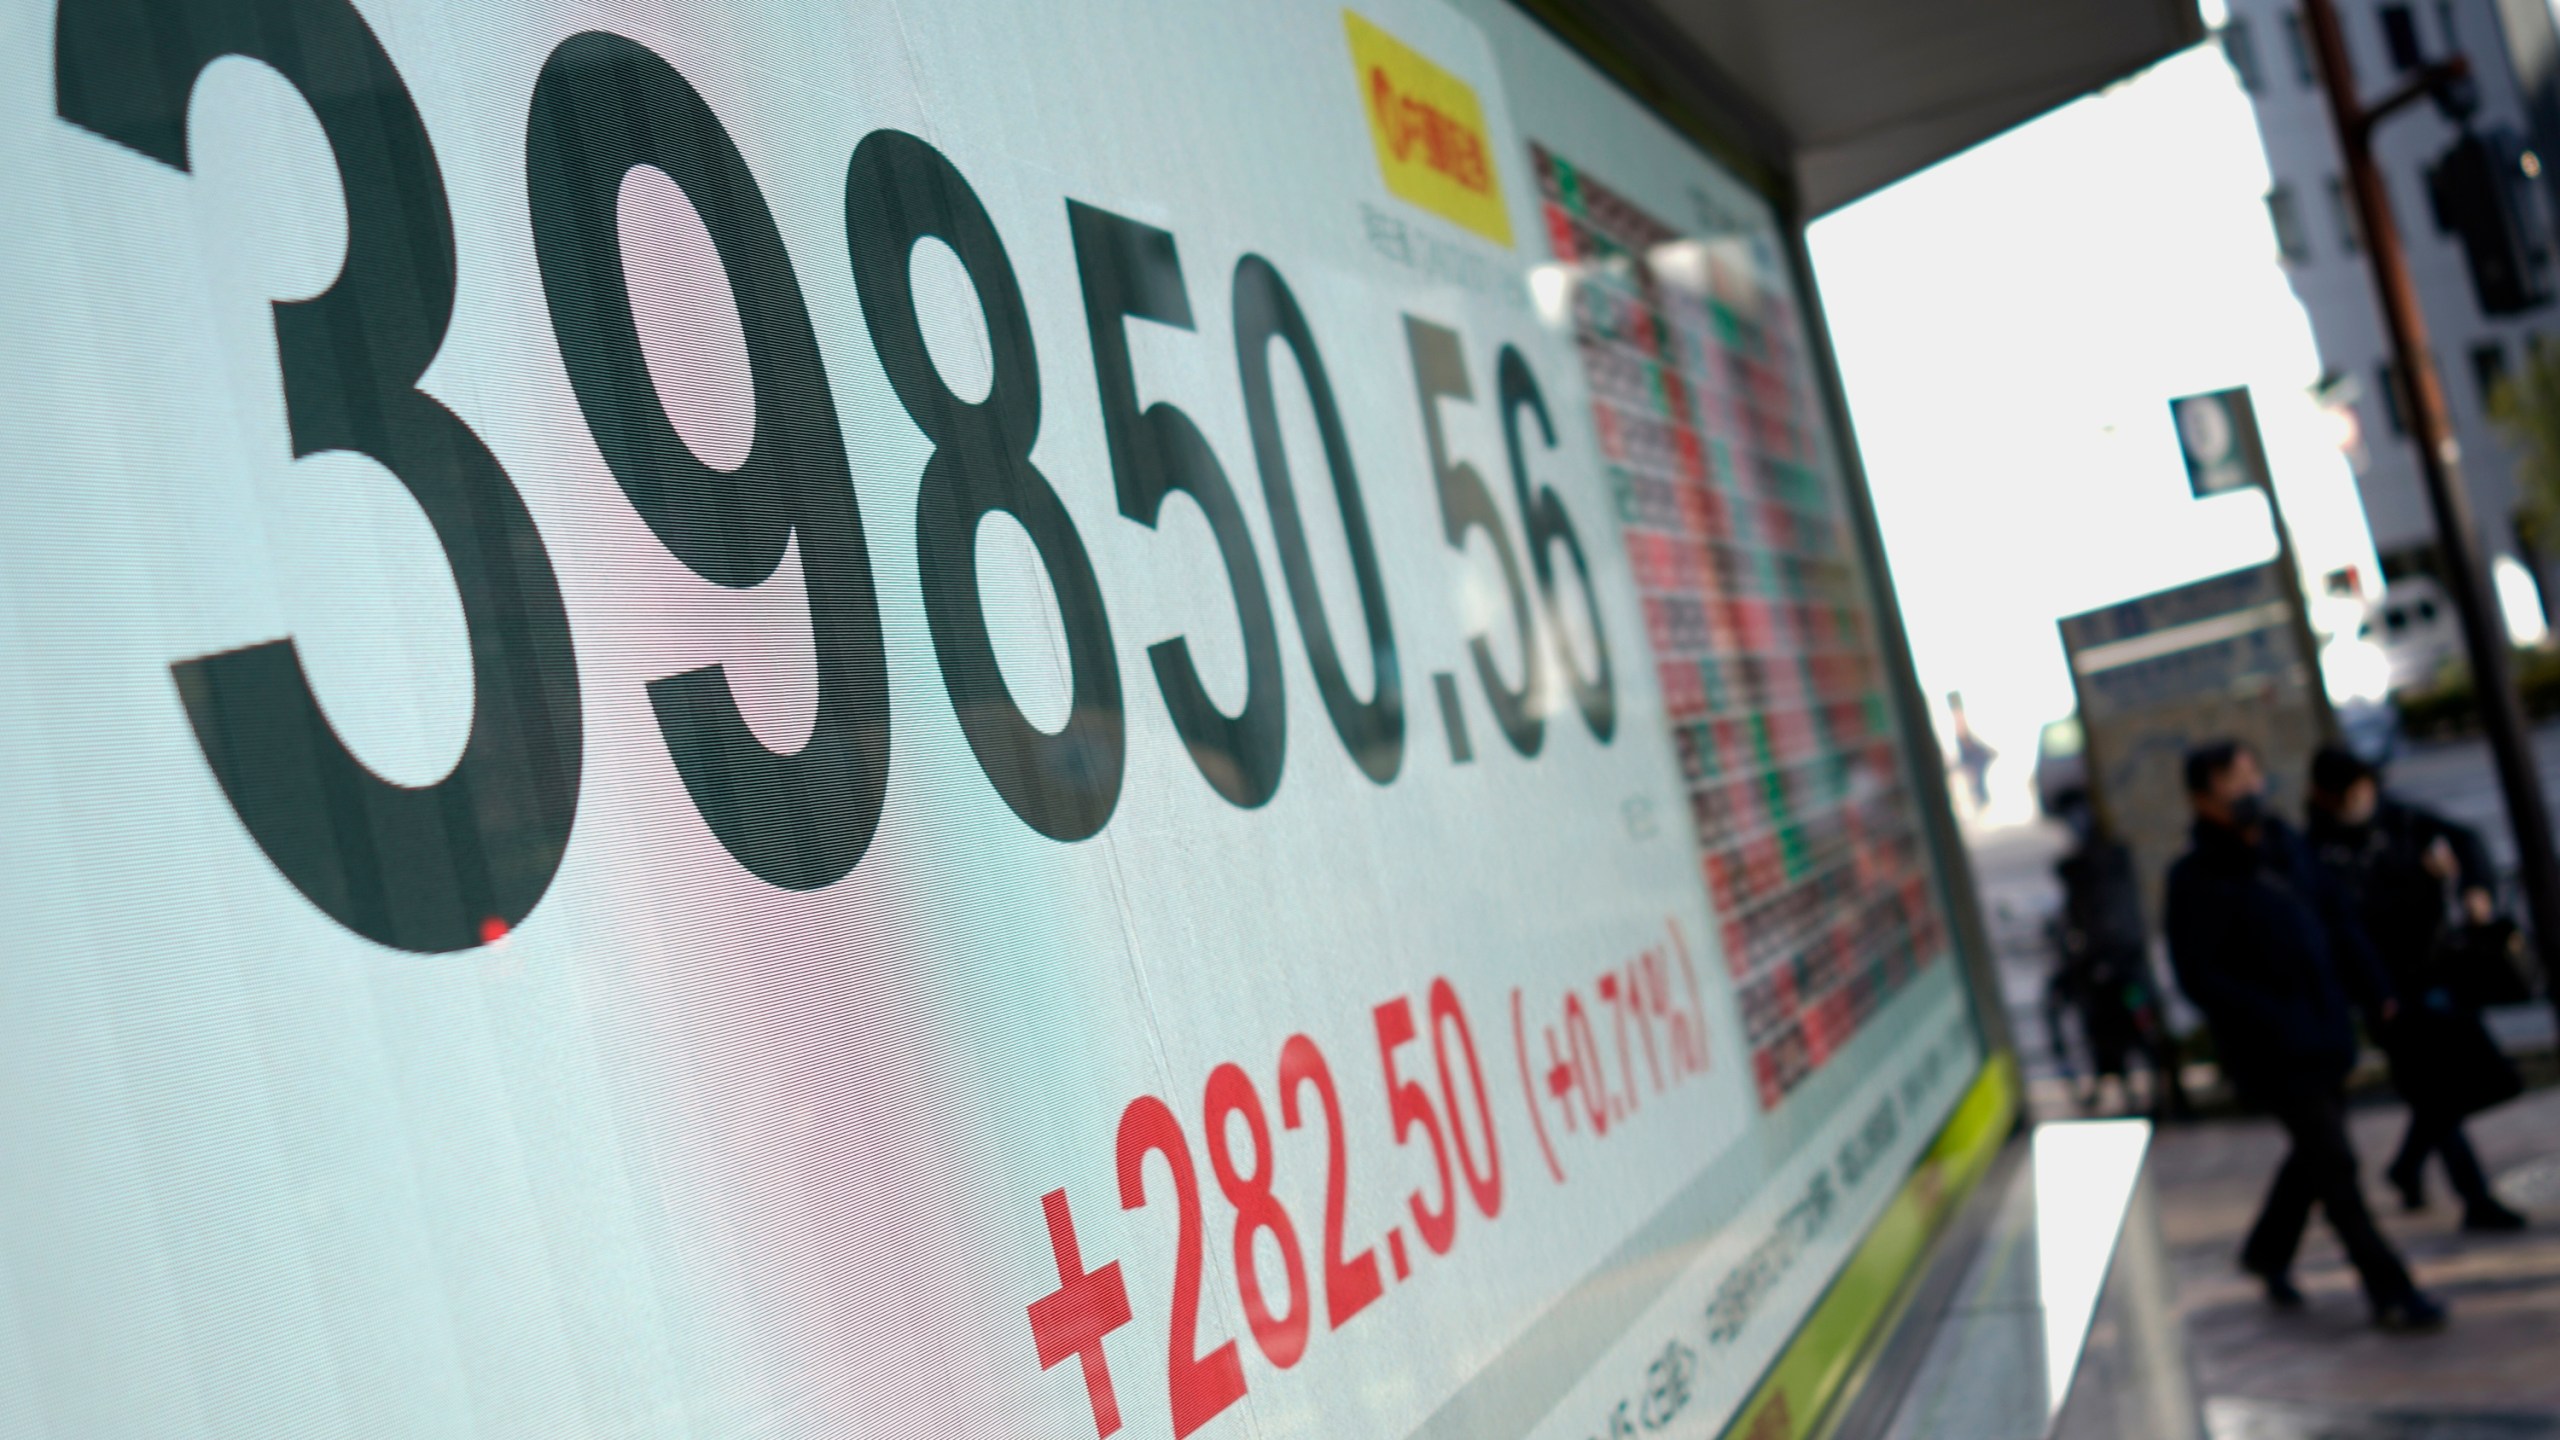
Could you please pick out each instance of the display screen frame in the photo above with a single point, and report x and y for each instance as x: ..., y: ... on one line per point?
x: 1055, y: 779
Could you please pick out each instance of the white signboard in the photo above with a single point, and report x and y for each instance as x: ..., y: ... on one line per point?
x: 896, y: 719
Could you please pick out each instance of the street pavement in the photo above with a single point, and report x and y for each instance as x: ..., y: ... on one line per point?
x: 2326, y: 1373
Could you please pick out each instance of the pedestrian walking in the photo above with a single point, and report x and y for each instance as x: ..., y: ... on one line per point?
x: 2421, y: 887
x: 1973, y: 755
x: 2103, y: 964
x: 2265, y: 946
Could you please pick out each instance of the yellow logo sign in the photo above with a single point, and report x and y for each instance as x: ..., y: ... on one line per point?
x: 1433, y: 147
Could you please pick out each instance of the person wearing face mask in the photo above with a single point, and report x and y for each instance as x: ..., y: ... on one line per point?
x: 2398, y: 862
x: 2267, y: 946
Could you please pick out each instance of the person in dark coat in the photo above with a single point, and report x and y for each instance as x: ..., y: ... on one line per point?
x: 2105, y: 953
x: 2398, y: 862
x: 2265, y: 945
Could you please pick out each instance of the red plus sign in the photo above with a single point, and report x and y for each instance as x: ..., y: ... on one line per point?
x: 1560, y: 1079
x: 1085, y: 1307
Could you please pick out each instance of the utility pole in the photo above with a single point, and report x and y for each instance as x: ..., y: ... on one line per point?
x: 2484, y: 631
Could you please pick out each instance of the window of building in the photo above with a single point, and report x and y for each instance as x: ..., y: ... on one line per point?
x: 2488, y: 370
x: 2342, y: 214
x: 2400, y: 36
x: 2395, y: 406
x: 2241, y: 49
x: 2291, y: 242
x: 2298, y: 46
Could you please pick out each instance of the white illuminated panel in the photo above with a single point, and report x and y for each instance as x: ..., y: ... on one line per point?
x: 820, y: 719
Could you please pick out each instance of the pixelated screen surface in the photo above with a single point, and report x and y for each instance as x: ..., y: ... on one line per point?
x: 814, y: 719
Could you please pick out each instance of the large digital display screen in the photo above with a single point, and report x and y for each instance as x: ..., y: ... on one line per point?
x: 861, y: 718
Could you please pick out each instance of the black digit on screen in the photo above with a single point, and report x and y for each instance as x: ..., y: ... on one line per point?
x: 436, y: 867
x: 603, y: 107
x: 1130, y: 271
x: 1543, y: 519
x: 898, y: 191
x: 1265, y: 312
x: 1440, y: 372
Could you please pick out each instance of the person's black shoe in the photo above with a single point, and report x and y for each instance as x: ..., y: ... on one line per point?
x: 2412, y: 1314
x: 2281, y: 1292
x: 2490, y: 1217
x: 2412, y: 1185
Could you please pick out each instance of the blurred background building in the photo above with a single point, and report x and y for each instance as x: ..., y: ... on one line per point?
x: 2512, y: 53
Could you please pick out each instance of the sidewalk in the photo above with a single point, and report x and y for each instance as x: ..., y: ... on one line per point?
x: 2324, y: 1371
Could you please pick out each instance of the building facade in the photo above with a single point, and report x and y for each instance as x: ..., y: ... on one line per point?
x: 2316, y: 231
